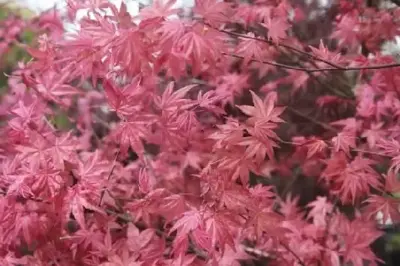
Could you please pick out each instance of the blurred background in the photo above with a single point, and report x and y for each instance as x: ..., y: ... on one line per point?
x: 41, y: 5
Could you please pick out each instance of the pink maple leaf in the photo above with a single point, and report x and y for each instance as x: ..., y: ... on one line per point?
x: 250, y: 48
x: 277, y: 28
x: 344, y: 141
x: 316, y: 146
x: 347, y: 30
x: 172, y: 100
x: 213, y: 11
x: 320, y: 210
x: 189, y: 221
x: 76, y: 205
x: 159, y: 9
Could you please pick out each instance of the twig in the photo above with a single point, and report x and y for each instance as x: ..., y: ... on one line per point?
x: 299, y: 260
x: 371, y: 152
x: 289, y: 47
x: 199, y: 253
x: 324, y: 125
x: 312, y: 75
x: 272, y: 63
x: 334, y: 67
x: 109, y: 176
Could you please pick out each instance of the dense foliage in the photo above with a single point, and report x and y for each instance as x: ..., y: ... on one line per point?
x: 261, y: 131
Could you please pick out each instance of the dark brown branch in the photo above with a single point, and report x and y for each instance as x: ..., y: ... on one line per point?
x: 272, y: 63
x: 109, y: 176
x: 334, y: 67
x: 299, y: 260
x: 314, y: 77
x: 324, y: 125
x: 289, y: 47
x: 310, y: 70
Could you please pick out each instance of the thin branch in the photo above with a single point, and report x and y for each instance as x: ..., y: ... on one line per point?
x: 371, y: 152
x: 324, y: 84
x: 334, y: 67
x: 299, y: 260
x: 272, y: 63
x: 198, y: 252
x: 289, y: 47
x: 109, y: 176
x: 315, y: 121
x: 372, y: 67
x: 310, y: 70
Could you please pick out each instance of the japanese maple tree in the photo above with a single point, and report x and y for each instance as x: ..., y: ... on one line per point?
x: 230, y: 133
